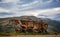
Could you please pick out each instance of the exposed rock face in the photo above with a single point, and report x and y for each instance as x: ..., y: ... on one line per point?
x: 25, y: 24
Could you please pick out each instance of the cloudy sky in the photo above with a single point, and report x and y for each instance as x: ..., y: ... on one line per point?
x: 40, y: 8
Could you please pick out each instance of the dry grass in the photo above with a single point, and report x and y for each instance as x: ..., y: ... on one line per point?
x: 22, y: 33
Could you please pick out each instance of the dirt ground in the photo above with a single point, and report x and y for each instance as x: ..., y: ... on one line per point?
x: 33, y: 36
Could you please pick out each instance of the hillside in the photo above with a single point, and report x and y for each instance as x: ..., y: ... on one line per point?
x: 52, y: 24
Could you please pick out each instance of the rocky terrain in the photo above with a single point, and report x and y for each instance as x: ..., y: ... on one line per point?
x: 53, y: 26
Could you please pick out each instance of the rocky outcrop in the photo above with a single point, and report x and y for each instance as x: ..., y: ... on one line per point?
x: 24, y: 24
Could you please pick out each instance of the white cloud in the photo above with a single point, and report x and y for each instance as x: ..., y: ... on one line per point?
x: 4, y: 10
x: 11, y: 0
x: 30, y: 3
x: 16, y: 9
x: 37, y: 12
x: 51, y: 11
x: 48, y: 12
x: 25, y: 6
x: 33, y: 4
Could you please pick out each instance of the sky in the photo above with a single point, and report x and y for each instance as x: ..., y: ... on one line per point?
x: 39, y: 8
